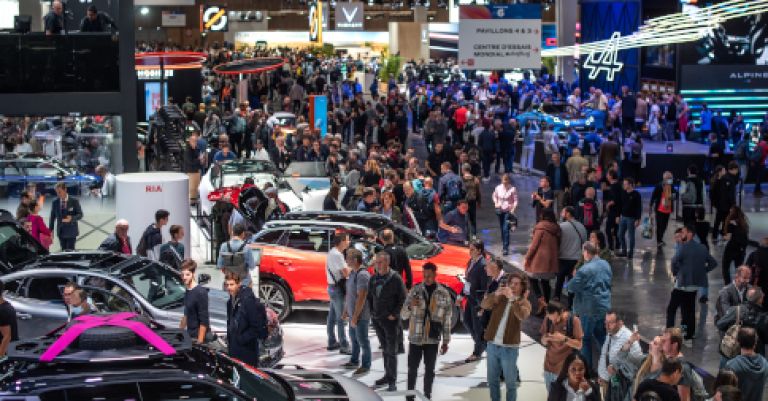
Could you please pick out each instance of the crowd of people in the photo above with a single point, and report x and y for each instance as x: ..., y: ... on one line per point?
x: 587, y: 211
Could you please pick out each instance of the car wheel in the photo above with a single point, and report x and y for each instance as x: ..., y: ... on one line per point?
x: 275, y: 297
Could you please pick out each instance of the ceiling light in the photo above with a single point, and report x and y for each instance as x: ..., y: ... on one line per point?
x: 144, y: 10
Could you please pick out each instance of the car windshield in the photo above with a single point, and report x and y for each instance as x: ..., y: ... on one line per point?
x: 160, y: 286
x: 285, y: 121
x: 235, y: 173
x: 16, y: 248
x: 416, y: 246
x: 306, y: 169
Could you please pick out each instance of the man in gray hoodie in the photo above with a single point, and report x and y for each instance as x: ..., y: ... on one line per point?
x: 751, y: 368
x: 690, y: 266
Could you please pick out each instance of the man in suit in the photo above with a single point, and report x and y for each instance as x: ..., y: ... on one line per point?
x: 119, y: 241
x: 734, y: 293
x: 280, y: 154
x: 475, y: 285
x: 66, y: 212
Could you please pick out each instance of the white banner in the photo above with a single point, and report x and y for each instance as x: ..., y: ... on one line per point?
x: 173, y: 19
x: 499, y: 37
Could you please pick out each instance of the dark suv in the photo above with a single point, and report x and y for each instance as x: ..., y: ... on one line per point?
x: 107, y: 362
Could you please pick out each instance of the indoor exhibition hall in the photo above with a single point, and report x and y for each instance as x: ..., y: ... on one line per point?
x: 410, y: 200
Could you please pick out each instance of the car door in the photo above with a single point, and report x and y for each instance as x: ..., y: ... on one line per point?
x: 39, y: 304
x: 303, y: 259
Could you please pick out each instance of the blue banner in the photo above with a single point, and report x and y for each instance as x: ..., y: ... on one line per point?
x: 321, y: 114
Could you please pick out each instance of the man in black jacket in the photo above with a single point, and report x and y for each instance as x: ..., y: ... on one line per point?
x: 758, y: 263
x: 631, y: 210
x: 475, y: 285
x: 628, y: 106
x: 246, y: 321
x: 400, y: 263
x: 386, y: 294
x: 724, y: 197
x: 119, y: 241
x: 152, y: 238
x: 612, y: 208
x: 66, y: 212
x: 692, y: 193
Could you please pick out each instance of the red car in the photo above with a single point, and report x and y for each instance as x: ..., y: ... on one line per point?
x: 291, y: 255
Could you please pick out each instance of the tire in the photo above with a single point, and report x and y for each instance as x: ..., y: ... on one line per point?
x: 275, y: 296
x: 106, y: 337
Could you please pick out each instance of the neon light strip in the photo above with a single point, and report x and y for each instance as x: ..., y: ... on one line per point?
x: 674, y: 28
x: 707, y: 91
x: 726, y: 98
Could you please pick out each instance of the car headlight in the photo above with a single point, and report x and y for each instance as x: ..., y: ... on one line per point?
x: 567, y: 123
x: 590, y: 119
x: 556, y: 119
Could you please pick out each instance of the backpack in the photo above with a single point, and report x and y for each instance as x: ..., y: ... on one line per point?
x: 698, y: 390
x: 171, y: 257
x: 689, y: 196
x: 141, y: 248
x: 234, y: 260
x: 756, y: 154
x: 568, y: 326
x: 729, y: 345
x: 425, y: 204
x: 453, y: 190
x: 588, y: 214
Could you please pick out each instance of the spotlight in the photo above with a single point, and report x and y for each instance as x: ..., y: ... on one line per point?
x: 144, y: 10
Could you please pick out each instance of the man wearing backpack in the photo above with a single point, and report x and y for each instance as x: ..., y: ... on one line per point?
x: 748, y: 314
x: 561, y: 335
x: 427, y: 207
x: 246, y: 321
x: 234, y: 257
x: 152, y: 238
x: 450, y: 187
x: 692, y: 195
x: 587, y: 211
x: 618, y: 336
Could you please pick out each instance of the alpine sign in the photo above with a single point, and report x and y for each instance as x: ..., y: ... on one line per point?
x: 500, y: 36
x: 214, y: 19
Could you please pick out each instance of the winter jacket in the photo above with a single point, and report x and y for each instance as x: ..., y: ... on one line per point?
x: 591, y: 287
x: 542, y: 256
x: 691, y: 264
x: 386, y: 295
x: 440, y: 307
x: 245, y: 314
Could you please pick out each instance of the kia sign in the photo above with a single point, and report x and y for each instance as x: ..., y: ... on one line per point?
x: 500, y: 37
x: 349, y: 16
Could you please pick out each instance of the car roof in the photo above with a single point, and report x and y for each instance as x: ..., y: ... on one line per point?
x: 370, y: 220
x: 100, y: 261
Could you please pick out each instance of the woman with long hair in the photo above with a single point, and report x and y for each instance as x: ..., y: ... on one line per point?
x: 371, y: 174
x: 332, y: 201
x: 574, y: 382
x: 389, y: 207
x: 476, y: 282
x: 737, y: 233
x: 505, y: 202
x: 650, y: 365
x: 39, y: 230
x: 541, y: 263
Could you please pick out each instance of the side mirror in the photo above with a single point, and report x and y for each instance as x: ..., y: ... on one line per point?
x: 203, y: 278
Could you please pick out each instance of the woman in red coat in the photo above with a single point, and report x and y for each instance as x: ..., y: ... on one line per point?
x: 541, y: 262
x: 39, y: 230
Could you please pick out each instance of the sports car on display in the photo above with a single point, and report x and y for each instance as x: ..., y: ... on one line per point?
x: 291, y: 255
x: 286, y: 121
x: 34, y: 282
x: 127, y: 357
x: 233, y: 174
x: 18, y: 171
x: 562, y: 117
x: 302, y: 186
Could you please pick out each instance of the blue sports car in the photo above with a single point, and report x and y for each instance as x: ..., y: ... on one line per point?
x: 563, y: 117
x: 17, y: 171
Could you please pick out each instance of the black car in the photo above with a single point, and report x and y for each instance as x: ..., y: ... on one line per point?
x: 34, y: 282
x: 109, y: 362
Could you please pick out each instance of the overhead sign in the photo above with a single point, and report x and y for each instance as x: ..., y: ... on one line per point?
x: 500, y: 36
x: 315, y: 22
x: 605, y: 60
x: 214, y: 19
x: 349, y: 16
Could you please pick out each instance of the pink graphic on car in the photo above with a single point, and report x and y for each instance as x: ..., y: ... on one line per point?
x: 88, y: 322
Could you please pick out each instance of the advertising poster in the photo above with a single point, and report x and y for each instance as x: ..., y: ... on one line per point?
x: 500, y: 37
x: 320, y: 114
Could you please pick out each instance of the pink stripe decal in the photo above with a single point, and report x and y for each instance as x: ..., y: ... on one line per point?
x: 119, y: 319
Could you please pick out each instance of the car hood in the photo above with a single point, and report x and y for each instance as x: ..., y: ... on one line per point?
x: 309, y: 385
x: 452, y: 260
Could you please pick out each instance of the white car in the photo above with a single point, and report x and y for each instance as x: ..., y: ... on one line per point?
x: 234, y: 173
x: 286, y: 121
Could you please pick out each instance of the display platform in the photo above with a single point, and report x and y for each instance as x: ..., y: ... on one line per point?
x: 673, y: 156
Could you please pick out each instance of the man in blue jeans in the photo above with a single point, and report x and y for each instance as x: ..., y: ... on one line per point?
x: 358, y: 312
x: 336, y: 271
x: 591, y: 289
x: 509, y: 306
x: 631, y: 210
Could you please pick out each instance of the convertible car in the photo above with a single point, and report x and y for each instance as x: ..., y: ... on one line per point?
x: 232, y: 174
x: 562, y: 117
x: 302, y: 186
